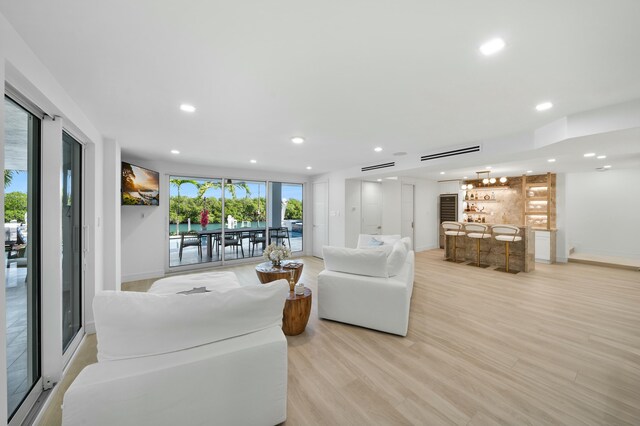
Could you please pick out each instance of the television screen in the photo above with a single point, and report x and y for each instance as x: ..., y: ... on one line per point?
x: 140, y: 186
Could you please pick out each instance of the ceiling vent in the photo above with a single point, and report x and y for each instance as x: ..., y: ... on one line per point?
x: 453, y: 152
x: 379, y: 166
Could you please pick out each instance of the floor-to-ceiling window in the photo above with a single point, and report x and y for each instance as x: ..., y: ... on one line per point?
x: 195, y: 220
x: 21, y: 247
x: 71, y: 239
x: 285, y: 218
x: 215, y: 220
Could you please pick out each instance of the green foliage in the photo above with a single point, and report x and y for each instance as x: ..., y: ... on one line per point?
x: 183, y: 208
x: 15, y: 206
x: 294, y: 209
x: 128, y: 200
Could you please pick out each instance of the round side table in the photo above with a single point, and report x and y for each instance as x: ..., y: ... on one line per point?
x: 296, y: 313
x: 267, y: 272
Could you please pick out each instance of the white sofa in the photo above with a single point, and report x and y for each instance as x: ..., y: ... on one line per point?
x: 218, y: 357
x: 369, y: 286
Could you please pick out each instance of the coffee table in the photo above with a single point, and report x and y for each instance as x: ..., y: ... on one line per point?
x: 267, y: 272
x: 296, y: 312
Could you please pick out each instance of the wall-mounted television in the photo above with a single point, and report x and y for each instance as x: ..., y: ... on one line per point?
x: 140, y: 186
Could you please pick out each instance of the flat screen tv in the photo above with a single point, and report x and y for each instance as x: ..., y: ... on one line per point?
x: 140, y: 186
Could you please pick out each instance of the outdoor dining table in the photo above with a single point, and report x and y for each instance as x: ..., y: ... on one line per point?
x: 209, y: 233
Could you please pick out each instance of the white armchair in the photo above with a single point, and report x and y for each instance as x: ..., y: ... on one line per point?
x: 368, y: 287
x: 167, y: 359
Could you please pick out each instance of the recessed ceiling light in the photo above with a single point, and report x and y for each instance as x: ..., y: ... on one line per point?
x: 308, y: 167
x: 601, y: 157
x: 175, y: 151
x: 492, y: 46
x: 544, y: 106
x: 488, y: 167
x: 379, y: 180
x: 441, y: 173
x: 253, y: 161
x: 607, y: 166
x: 187, y: 108
x: 297, y: 139
x: 377, y: 149
x: 551, y: 160
x: 529, y: 171
x: 590, y: 154
x: 465, y: 177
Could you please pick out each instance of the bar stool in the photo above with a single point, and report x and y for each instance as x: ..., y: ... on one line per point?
x: 508, y: 234
x: 455, y: 230
x: 478, y: 232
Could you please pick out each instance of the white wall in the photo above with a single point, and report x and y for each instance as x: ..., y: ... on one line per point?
x: 145, y: 229
x: 353, y: 211
x: 391, y: 207
x: 112, y: 219
x: 426, y: 214
x: 600, y: 212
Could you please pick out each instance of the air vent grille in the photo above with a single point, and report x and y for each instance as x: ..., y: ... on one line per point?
x: 379, y: 166
x: 453, y: 152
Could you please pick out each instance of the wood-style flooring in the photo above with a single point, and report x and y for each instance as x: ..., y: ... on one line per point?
x: 560, y: 345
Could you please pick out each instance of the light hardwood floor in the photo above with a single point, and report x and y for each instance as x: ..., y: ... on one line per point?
x: 560, y: 345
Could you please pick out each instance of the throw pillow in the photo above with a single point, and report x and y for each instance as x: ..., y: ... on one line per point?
x: 195, y: 291
x: 375, y: 243
x: 396, y: 259
x: 370, y: 262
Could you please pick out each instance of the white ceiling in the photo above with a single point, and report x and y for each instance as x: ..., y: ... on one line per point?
x: 348, y: 76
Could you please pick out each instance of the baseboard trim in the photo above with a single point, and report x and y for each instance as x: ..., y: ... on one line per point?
x: 142, y: 276
x: 425, y: 248
x: 605, y: 264
x: 90, y: 328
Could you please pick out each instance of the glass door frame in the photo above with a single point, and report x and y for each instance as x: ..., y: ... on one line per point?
x: 36, y: 389
x: 70, y: 350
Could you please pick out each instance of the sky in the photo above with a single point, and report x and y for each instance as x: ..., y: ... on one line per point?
x: 19, y: 183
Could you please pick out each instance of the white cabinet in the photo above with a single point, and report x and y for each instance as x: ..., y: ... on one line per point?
x: 545, y: 246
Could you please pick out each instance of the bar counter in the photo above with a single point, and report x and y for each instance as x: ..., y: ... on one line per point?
x: 521, y: 253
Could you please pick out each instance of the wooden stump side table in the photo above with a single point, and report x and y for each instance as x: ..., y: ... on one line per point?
x: 296, y: 313
x: 267, y: 272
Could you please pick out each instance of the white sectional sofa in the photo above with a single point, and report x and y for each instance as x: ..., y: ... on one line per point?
x: 369, y: 286
x: 213, y: 358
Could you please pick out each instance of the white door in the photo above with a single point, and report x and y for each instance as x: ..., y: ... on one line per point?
x: 407, y: 211
x: 320, y: 217
x: 371, y: 208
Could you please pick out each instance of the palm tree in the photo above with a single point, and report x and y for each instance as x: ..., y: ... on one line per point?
x: 178, y: 183
x: 231, y: 187
x: 8, y: 176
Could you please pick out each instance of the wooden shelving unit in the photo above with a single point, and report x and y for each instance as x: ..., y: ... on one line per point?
x: 539, y: 210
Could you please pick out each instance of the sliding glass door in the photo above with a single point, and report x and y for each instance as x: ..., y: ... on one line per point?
x: 21, y: 253
x: 240, y: 218
x: 71, y: 239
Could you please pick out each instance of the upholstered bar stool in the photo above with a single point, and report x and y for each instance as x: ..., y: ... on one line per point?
x: 478, y: 232
x: 455, y: 230
x: 508, y: 234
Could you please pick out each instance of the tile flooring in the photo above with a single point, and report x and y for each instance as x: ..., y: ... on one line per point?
x: 18, y: 383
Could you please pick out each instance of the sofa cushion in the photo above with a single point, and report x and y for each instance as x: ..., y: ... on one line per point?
x: 130, y: 324
x: 370, y: 262
x: 396, y: 259
x: 367, y: 240
x: 407, y: 243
